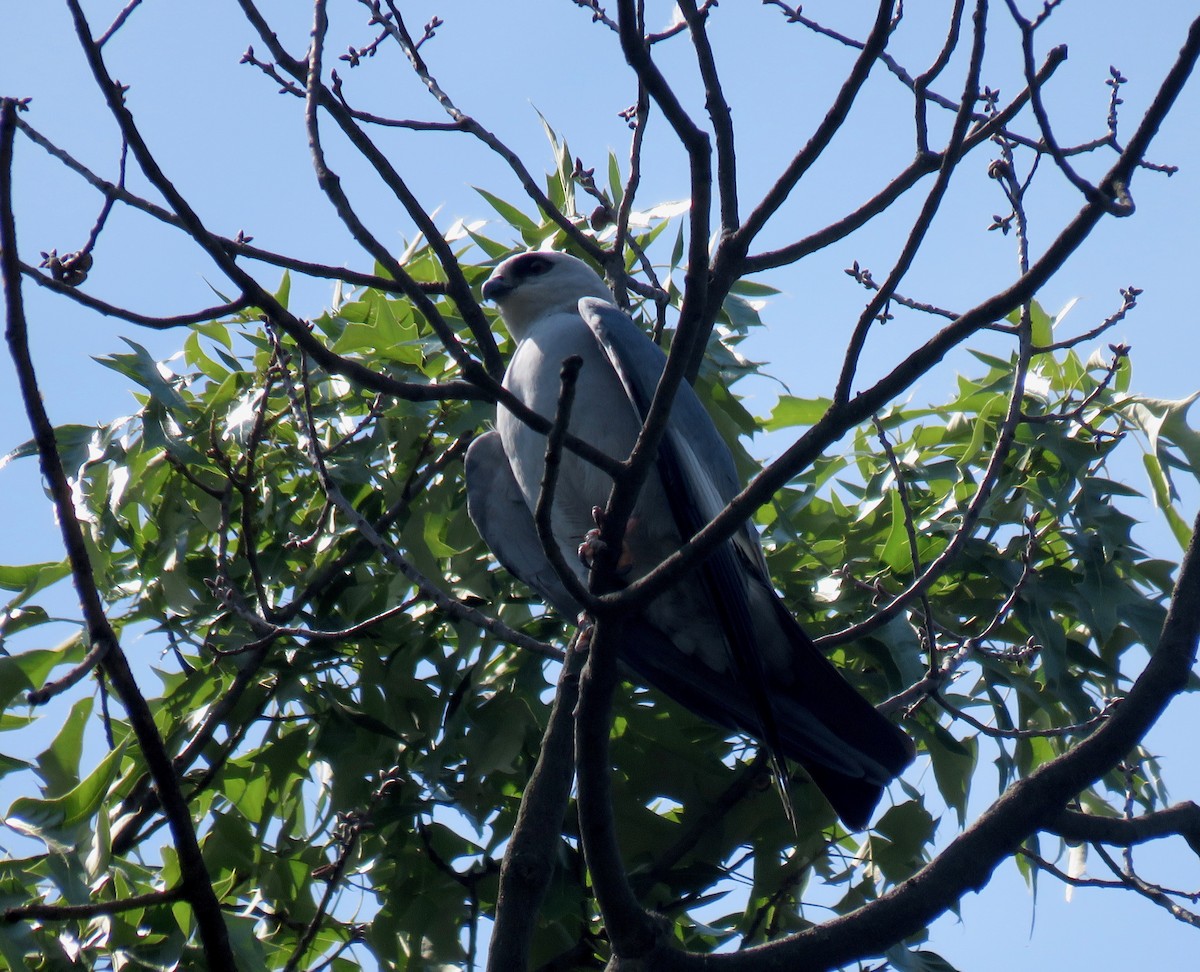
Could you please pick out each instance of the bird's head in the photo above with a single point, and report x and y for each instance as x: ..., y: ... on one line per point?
x: 530, y: 285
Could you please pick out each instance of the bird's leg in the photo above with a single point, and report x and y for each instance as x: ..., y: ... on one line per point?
x: 592, y: 546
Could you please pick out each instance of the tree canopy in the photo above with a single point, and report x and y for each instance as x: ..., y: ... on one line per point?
x: 345, y: 737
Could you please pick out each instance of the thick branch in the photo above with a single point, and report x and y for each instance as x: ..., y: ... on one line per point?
x: 1182, y: 819
x: 530, y: 856
x: 193, y: 871
x: 1031, y: 804
x: 630, y: 928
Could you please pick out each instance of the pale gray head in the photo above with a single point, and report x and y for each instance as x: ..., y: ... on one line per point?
x: 530, y: 285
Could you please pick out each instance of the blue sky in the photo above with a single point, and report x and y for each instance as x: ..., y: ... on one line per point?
x: 237, y: 149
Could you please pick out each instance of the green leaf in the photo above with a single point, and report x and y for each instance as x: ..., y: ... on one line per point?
x: 953, y: 763
x: 511, y: 215
x: 1160, y: 488
x: 55, y: 820
x: 58, y: 765
x: 31, y: 578
x: 284, y: 293
x: 155, y: 378
x: 616, y: 185
x: 790, y: 411
x: 1043, y: 326
x: 896, y: 551
x: 73, y: 443
x: 904, y: 960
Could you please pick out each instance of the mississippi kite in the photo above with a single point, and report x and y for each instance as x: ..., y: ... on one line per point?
x: 720, y: 642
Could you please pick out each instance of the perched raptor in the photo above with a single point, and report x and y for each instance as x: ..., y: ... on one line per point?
x: 721, y: 641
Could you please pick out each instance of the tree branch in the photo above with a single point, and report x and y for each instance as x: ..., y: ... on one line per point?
x: 529, y: 858
x: 194, y: 878
x: 1031, y: 804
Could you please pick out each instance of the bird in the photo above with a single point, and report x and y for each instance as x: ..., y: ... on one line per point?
x: 720, y: 642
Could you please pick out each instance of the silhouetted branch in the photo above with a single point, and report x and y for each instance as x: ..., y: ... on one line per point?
x: 194, y: 877
x: 1182, y: 819
x: 529, y: 858
x: 631, y: 929
x: 94, y: 909
x: 544, y: 508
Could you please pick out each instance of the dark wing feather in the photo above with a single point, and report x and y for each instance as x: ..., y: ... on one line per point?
x: 639, y: 363
x: 817, y: 717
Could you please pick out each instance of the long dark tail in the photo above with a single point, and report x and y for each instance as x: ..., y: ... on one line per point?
x: 850, y: 750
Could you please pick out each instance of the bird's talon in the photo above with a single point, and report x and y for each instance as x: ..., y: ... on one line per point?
x: 586, y: 628
x: 591, y: 548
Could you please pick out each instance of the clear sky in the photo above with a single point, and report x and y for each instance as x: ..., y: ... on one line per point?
x: 237, y: 149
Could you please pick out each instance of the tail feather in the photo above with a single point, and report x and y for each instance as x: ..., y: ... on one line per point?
x: 850, y: 750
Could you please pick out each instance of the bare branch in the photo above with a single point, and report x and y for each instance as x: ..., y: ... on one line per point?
x: 820, y: 139
x: 529, y: 858
x: 718, y: 111
x: 1129, y: 296
x: 1160, y: 896
x: 85, y: 912
x: 118, y: 22
x: 395, y: 26
x: 193, y: 871
x: 921, y: 166
x: 544, y: 508
x: 631, y: 929
x: 1182, y: 819
x: 924, y: 219
x: 1053, y: 733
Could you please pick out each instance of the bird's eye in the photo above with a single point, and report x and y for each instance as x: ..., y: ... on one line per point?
x: 533, y: 265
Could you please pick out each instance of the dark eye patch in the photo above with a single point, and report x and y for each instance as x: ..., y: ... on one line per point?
x: 531, y: 265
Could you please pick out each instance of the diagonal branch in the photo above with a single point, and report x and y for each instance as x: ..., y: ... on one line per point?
x: 458, y: 288
x: 830, y: 124
x: 1031, y: 804
x: 395, y: 26
x: 920, y: 167
x: 529, y: 858
x: 194, y: 875
x: 929, y: 210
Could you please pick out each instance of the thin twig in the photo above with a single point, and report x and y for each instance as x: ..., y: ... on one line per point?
x: 544, y: 508
x: 924, y: 220
x: 118, y: 22
x: 910, y: 529
x: 1054, y: 733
